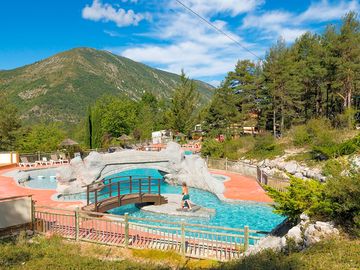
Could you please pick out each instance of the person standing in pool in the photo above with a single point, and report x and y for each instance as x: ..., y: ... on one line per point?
x: 185, y: 201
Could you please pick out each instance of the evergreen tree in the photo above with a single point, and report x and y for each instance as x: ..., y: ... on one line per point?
x: 348, y: 70
x: 9, y: 124
x: 311, y: 71
x: 183, y: 105
x: 282, y: 86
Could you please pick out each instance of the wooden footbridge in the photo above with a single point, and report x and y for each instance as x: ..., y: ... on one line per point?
x: 118, y: 191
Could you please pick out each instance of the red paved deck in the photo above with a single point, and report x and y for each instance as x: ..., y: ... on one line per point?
x: 241, y: 187
x: 8, y: 188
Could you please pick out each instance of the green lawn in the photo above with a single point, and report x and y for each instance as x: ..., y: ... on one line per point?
x: 56, y: 253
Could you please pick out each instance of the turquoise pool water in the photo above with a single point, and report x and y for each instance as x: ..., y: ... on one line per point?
x: 42, y: 179
x: 257, y: 216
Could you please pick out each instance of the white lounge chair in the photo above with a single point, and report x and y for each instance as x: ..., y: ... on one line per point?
x: 25, y: 162
x: 63, y: 158
x: 55, y: 159
x: 44, y: 161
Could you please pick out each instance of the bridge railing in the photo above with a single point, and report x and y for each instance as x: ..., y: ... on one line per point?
x: 193, y: 240
x: 121, y: 185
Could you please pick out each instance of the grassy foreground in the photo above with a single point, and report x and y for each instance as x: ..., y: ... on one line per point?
x: 55, y: 253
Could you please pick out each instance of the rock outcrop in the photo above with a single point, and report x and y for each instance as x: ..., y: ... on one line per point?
x: 279, y: 167
x: 301, y: 236
x: 179, y: 168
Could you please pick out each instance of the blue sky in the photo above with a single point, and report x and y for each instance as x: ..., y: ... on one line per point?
x: 160, y: 33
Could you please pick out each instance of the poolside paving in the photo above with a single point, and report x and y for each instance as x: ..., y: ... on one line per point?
x: 9, y: 188
x: 241, y: 187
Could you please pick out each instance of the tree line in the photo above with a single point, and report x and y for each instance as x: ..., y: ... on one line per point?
x: 111, y: 116
x: 317, y: 76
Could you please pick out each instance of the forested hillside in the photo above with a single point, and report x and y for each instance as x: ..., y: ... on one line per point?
x: 61, y: 87
x: 316, y: 76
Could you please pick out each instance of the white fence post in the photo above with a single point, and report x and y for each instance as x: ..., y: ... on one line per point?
x: 183, y: 248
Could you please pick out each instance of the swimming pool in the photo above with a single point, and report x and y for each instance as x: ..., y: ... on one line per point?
x: 42, y: 179
x: 237, y: 214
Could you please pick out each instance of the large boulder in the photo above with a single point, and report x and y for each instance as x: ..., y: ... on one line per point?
x: 316, y: 232
x: 295, y: 234
x: 291, y: 167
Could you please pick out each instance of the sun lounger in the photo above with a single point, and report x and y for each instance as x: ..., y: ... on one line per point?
x: 55, y: 159
x: 63, y: 158
x: 44, y: 161
x: 25, y: 162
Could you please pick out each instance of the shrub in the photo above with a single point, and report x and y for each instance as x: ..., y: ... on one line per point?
x: 343, y: 192
x: 345, y: 120
x: 338, y: 199
x: 334, y: 167
x: 265, y: 147
x: 212, y: 148
x: 336, y: 150
x: 300, y: 196
x: 300, y: 136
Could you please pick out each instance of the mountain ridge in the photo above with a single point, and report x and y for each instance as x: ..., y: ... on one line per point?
x: 61, y: 87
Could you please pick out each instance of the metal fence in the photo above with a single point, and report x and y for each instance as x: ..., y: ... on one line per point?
x: 192, y: 240
x: 246, y: 169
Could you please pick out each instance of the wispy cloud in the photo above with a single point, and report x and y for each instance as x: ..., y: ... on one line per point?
x: 211, y: 7
x: 327, y: 11
x: 98, y: 11
x: 179, y: 40
x: 291, y: 25
x: 194, y: 46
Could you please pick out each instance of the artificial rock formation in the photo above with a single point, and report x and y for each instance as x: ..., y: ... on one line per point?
x: 178, y: 168
x: 301, y: 236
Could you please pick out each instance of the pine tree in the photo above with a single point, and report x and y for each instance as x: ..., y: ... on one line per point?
x: 311, y: 71
x: 348, y: 71
x: 183, y: 105
x: 282, y: 86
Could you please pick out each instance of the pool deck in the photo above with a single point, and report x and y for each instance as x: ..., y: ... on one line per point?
x: 9, y: 188
x: 244, y: 188
x: 239, y: 187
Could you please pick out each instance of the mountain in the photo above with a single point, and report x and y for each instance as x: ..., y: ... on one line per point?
x: 60, y: 88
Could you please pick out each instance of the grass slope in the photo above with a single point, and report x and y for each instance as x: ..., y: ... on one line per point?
x: 60, y: 88
x: 55, y: 253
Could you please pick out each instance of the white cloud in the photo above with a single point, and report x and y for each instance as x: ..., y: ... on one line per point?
x: 291, y: 25
x: 107, y: 13
x: 112, y: 33
x: 184, y: 41
x: 210, y: 7
x: 326, y: 11
x: 196, y: 47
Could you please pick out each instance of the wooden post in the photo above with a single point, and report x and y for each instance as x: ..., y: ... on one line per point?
x: 96, y: 199
x: 126, y: 220
x: 87, y: 194
x: 246, y: 237
x: 77, y: 224
x: 119, y: 196
x: 110, y: 188
x: 159, y: 190
x: 140, y: 190
x: 32, y: 214
x: 130, y: 184
x: 183, y: 248
x: 149, y: 179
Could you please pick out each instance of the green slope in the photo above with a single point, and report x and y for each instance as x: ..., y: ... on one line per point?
x: 61, y: 87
